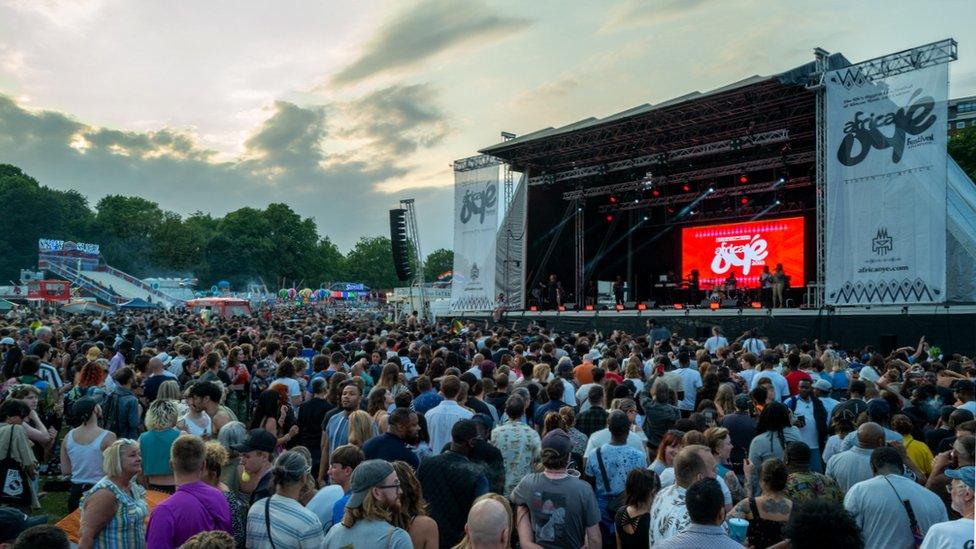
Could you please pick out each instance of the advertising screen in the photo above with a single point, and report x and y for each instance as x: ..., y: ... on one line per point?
x: 743, y: 249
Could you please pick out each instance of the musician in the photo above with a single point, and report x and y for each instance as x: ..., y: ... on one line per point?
x: 730, y: 281
x: 591, y: 292
x: 618, y: 290
x: 693, y: 286
x: 766, y: 286
x: 554, y: 292
x: 779, y: 284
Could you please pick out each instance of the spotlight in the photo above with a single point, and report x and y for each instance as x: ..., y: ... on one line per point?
x: 714, y: 306
x: 636, y: 201
x: 743, y: 179
x: 579, y: 209
x: 613, y: 199
x: 777, y: 203
x: 562, y: 308
x: 756, y: 305
x: 656, y: 192
x: 679, y: 306
x: 646, y: 218
x: 588, y: 307
x: 533, y: 308
x: 692, y: 212
x: 686, y: 188
x: 643, y: 307
x: 618, y: 307
x: 711, y: 189
x: 609, y: 218
x: 781, y: 180
x: 744, y: 200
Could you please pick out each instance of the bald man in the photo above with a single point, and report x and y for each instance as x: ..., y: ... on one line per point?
x: 854, y: 465
x: 488, y: 524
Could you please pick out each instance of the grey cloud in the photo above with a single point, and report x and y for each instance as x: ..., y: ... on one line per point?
x: 423, y: 30
x: 167, y: 167
x: 399, y: 119
x: 636, y: 13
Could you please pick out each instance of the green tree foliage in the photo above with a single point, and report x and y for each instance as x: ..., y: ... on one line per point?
x: 439, y: 261
x: 274, y: 245
x: 962, y: 148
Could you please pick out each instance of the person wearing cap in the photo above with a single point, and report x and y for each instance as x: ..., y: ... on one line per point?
x: 564, y: 374
x: 451, y: 482
x: 810, y: 417
x: 955, y: 533
x: 880, y: 505
x: 82, y: 447
x: 553, y: 497
x: 256, y: 452
x: 13, y: 522
x: 280, y: 520
x: 366, y: 522
x: 822, y: 389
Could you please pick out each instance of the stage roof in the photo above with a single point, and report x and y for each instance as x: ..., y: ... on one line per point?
x: 579, y: 143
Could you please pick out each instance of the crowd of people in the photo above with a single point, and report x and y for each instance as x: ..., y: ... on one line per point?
x: 292, y: 429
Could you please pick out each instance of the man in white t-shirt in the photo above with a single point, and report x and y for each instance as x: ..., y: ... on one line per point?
x: 955, y: 533
x: 716, y: 342
x: 780, y: 384
x: 691, y: 382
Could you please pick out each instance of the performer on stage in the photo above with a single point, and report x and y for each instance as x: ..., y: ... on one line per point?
x: 779, y: 284
x: 693, y: 287
x: 591, y: 292
x: 730, y: 281
x: 618, y: 290
x: 766, y: 286
x: 554, y: 292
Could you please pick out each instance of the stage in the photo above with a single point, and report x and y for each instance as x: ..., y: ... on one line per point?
x: 952, y: 328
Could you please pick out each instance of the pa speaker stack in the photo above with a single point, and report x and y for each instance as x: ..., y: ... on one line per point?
x: 401, y: 248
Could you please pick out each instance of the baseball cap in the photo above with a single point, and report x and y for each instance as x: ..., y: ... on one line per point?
x: 13, y: 522
x: 966, y: 474
x: 557, y: 440
x: 822, y: 384
x: 7, y: 341
x: 257, y: 439
x: 366, y: 475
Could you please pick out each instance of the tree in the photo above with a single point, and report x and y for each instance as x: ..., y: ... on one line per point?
x: 962, y: 148
x: 124, y: 226
x: 371, y: 262
x: 439, y: 261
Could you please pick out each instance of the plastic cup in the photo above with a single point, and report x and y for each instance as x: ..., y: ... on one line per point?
x: 738, y: 528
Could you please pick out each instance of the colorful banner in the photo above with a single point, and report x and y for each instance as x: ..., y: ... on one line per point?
x: 476, y: 206
x: 886, y: 187
x: 743, y: 249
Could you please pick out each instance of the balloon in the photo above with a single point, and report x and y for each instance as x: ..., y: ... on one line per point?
x: 322, y: 293
x: 213, y: 289
x: 282, y: 293
x: 224, y: 284
x: 305, y: 292
x: 292, y: 293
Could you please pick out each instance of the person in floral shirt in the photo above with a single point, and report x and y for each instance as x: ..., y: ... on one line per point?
x: 519, y: 444
x: 803, y: 484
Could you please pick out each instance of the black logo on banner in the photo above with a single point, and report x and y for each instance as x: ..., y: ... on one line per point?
x: 478, y: 203
x: 475, y: 272
x: 864, y: 132
x: 881, y: 244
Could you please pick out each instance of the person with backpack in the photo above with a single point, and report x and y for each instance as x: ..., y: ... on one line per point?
x: 122, y: 406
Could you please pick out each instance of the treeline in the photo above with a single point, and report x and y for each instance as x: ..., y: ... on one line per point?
x: 247, y: 245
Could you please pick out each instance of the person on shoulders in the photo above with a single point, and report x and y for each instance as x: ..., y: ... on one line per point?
x: 368, y: 518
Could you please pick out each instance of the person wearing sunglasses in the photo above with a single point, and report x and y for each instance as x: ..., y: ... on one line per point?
x: 367, y: 521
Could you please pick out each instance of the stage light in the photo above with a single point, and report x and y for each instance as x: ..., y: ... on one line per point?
x: 692, y: 212
x: 619, y: 307
x: 588, y: 307
x: 646, y: 218
x: 711, y: 189
x: 743, y: 179
x: 562, y: 308
x: 679, y: 306
x: 656, y: 192
x: 744, y: 200
x: 686, y: 188
x: 641, y: 307
x: 636, y: 201
x: 579, y: 209
x: 777, y: 203
x: 613, y: 199
x: 714, y: 306
x: 781, y: 180
x: 756, y: 305
x: 533, y: 308
x: 609, y: 218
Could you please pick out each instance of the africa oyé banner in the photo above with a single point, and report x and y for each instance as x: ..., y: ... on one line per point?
x: 476, y: 203
x: 743, y: 250
x: 886, y: 187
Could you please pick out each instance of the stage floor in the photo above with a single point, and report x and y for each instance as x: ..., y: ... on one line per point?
x: 951, y: 328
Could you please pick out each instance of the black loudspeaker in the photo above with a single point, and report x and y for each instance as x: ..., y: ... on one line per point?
x: 401, y: 248
x: 887, y: 343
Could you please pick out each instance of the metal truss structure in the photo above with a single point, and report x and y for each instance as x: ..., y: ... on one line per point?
x: 882, y: 67
x: 413, y: 236
x: 725, y: 145
x: 767, y: 186
x: 475, y: 162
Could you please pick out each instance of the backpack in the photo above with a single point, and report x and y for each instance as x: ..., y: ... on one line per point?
x: 110, y: 414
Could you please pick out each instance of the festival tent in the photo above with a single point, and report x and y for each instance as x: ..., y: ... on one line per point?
x: 138, y: 303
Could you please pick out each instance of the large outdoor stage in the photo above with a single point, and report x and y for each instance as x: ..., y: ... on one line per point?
x: 953, y: 328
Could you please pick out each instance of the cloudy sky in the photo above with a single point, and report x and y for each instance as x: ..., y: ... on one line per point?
x: 340, y: 109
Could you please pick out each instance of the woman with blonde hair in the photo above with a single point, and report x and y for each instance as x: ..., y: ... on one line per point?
x: 411, y: 515
x: 170, y: 390
x: 155, y: 445
x: 215, y: 459
x: 720, y: 443
x: 541, y: 373
x: 633, y: 373
x: 724, y: 400
x: 361, y: 428
x: 114, y: 511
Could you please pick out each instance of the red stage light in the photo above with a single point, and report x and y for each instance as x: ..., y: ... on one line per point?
x: 609, y: 218
x: 562, y: 308
x: 679, y: 306
x: 618, y: 307
x: 714, y: 306
x: 656, y: 192
x: 613, y: 199
x: 686, y: 188
x: 743, y: 179
x: 756, y: 305
x: 641, y: 307
x: 589, y: 307
x: 533, y: 308
x: 744, y: 200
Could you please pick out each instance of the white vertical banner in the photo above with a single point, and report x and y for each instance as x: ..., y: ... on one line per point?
x: 886, y: 187
x: 476, y: 208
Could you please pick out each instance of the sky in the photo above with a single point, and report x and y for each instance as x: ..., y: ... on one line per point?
x: 341, y: 109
